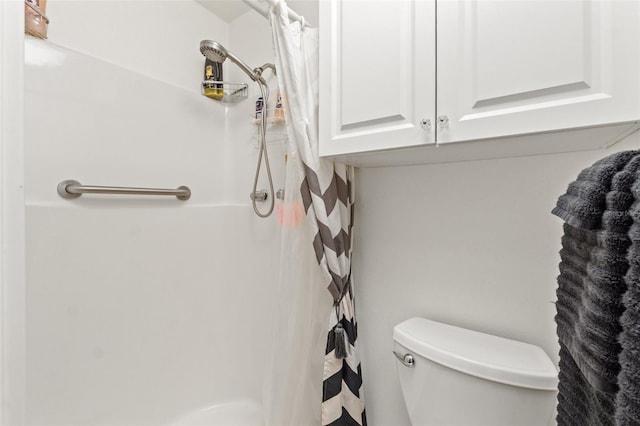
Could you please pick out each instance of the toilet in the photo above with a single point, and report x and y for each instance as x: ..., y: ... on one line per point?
x: 454, y: 376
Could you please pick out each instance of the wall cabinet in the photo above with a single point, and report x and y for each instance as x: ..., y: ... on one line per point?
x: 419, y: 73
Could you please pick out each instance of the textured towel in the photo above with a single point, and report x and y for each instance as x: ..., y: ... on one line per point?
x: 579, y: 404
x: 591, y: 286
x: 584, y: 202
x: 628, y: 398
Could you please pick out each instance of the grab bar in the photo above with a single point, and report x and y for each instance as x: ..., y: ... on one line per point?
x: 74, y: 189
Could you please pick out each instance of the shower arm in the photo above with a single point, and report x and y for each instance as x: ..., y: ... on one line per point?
x: 260, y: 70
x: 254, y: 74
x: 257, y: 72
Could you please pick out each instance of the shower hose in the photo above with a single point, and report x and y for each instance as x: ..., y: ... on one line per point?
x: 263, y: 153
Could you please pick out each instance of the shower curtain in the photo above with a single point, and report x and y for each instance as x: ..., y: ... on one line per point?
x: 317, y: 214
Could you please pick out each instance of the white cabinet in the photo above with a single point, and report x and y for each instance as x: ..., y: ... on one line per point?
x: 377, y: 74
x: 511, y: 67
x: 476, y: 69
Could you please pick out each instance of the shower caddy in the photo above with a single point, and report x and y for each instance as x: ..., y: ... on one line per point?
x: 225, y: 91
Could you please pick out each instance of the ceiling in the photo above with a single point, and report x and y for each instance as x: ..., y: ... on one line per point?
x: 229, y: 10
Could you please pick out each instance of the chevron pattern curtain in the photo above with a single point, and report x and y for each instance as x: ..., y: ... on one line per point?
x: 327, y: 195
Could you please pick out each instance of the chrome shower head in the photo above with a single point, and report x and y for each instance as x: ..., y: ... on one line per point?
x: 213, y: 51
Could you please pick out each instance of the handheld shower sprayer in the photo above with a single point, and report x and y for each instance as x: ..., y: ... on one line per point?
x: 215, y: 52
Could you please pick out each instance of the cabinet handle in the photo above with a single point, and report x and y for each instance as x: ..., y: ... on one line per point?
x: 425, y: 123
x: 443, y: 121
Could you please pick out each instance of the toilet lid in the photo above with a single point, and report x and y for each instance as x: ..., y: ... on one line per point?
x: 478, y: 354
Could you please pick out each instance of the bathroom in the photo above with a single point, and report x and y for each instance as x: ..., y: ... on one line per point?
x: 150, y: 310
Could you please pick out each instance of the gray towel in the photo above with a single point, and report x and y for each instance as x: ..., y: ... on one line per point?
x: 628, y: 398
x: 584, y: 202
x: 590, y: 287
x: 579, y: 404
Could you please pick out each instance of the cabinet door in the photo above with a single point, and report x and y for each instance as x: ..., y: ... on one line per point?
x: 514, y: 67
x: 377, y: 75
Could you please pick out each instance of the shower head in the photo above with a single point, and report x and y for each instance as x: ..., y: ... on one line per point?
x: 215, y: 52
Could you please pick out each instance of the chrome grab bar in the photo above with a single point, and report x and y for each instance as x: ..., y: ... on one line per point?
x: 74, y: 189
x: 406, y: 359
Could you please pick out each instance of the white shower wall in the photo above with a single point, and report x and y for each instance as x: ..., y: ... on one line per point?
x: 155, y: 38
x: 139, y: 310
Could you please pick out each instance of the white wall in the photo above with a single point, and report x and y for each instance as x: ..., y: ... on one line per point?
x: 139, y: 310
x: 12, y: 214
x: 101, y: 124
x: 155, y: 38
x: 471, y: 244
x: 139, y: 314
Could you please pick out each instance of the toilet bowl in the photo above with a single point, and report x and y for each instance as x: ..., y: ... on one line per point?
x: 454, y: 376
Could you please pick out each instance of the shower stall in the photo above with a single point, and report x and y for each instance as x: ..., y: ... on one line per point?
x: 138, y: 309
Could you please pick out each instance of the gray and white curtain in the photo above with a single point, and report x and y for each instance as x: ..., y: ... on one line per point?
x: 326, y: 193
x: 329, y: 201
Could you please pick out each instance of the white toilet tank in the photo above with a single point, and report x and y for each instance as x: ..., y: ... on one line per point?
x: 454, y: 376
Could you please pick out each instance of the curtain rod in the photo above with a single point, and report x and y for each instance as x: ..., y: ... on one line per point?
x: 262, y: 7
